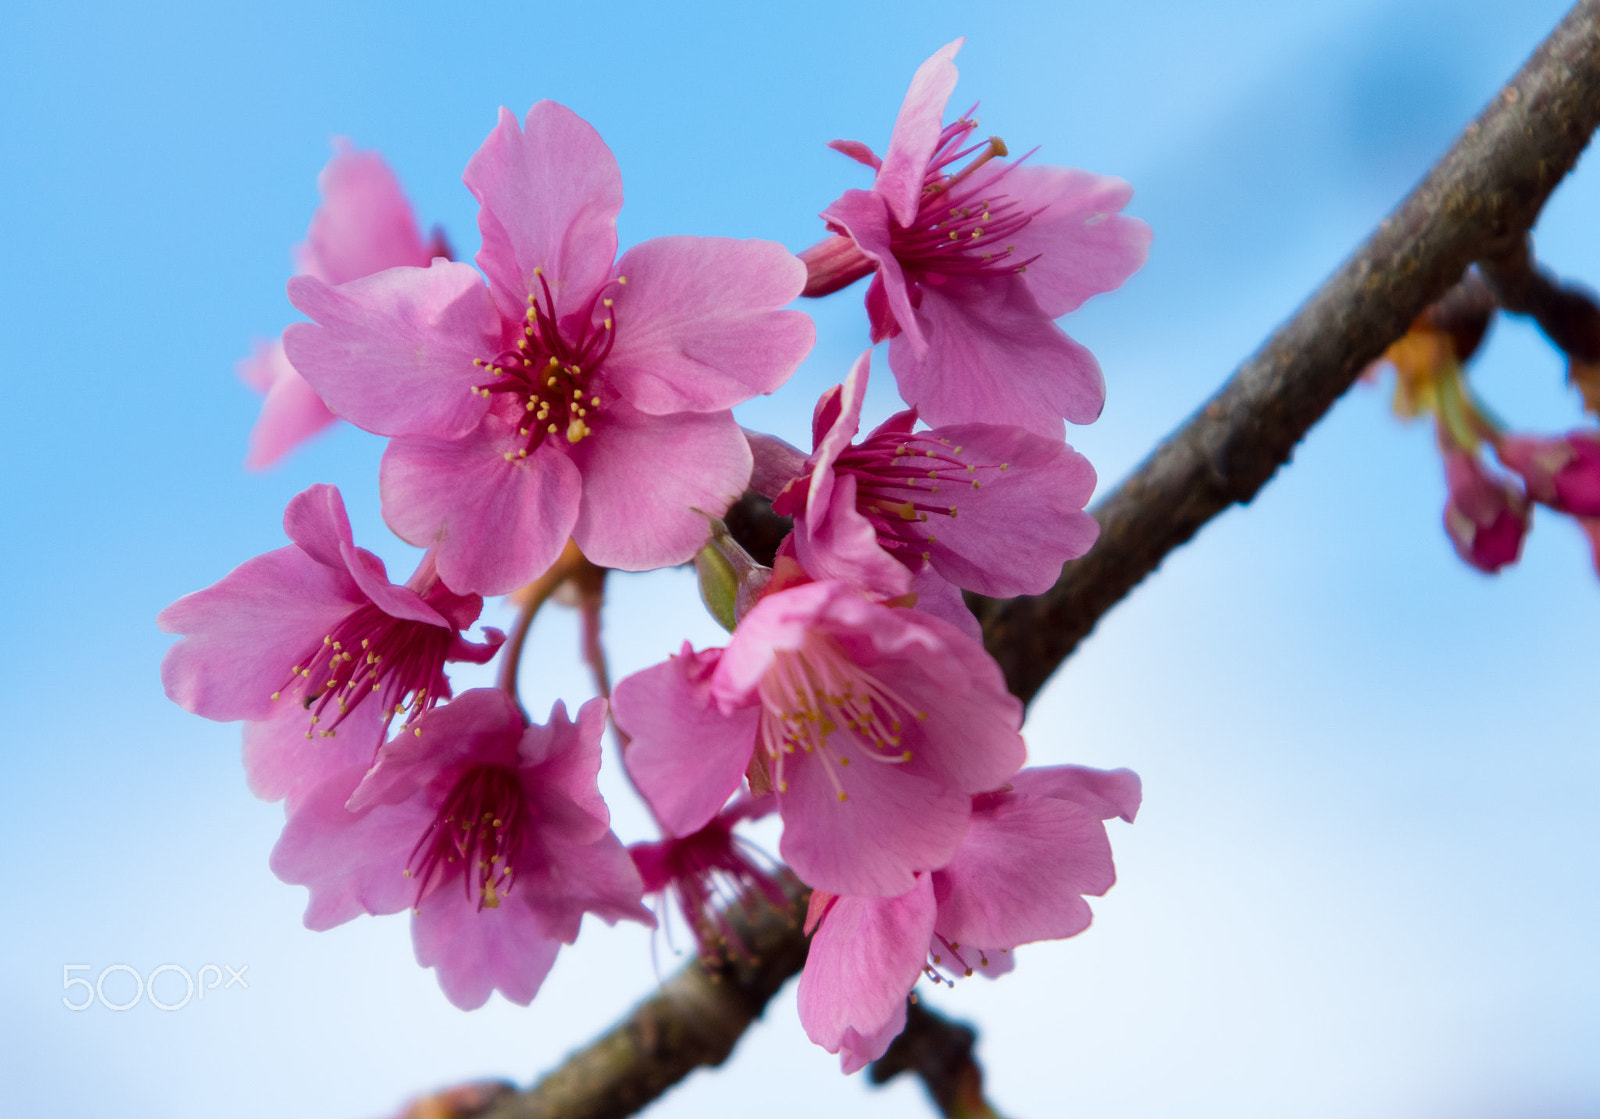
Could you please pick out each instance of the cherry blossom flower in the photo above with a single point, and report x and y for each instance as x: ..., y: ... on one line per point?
x: 492, y: 831
x: 710, y: 873
x: 972, y: 262
x: 1033, y: 851
x: 573, y: 395
x: 1563, y: 473
x: 316, y: 649
x: 993, y: 509
x: 364, y: 225
x: 872, y: 725
x: 1486, y: 516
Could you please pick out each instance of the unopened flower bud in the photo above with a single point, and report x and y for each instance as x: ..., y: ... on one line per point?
x: 1486, y: 516
x: 730, y: 579
x: 1563, y: 473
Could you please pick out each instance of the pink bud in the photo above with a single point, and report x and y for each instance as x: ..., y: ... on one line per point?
x: 1562, y: 473
x: 1486, y: 516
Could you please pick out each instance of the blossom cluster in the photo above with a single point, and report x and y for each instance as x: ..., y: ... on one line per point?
x: 558, y: 401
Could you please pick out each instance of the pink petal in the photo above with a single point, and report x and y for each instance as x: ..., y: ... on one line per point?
x: 650, y: 482
x: 863, y: 962
x: 317, y: 522
x: 857, y: 151
x: 864, y: 217
x: 778, y: 622
x: 1021, y: 872
x: 891, y: 825
x: 775, y: 463
x: 364, y: 224
x: 1012, y: 535
x: 916, y: 133
x: 354, y: 863
x: 243, y: 633
x: 597, y: 878
x: 282, y: 761
x: 481, y: 726
x: 392, y: 353
x: 550, y: 195
x: 698, y: 326
x: 687, y: 757
x: 994, y: 356
x: 560, y: 762
x: 942, y: 599
x: 478, y: 951
x: 496, y: 524
x: 1105, y: 792
x: 842, y: 544
x: 858, y: 1050
x: 844, y: 407
x: 292, y: 411
x: 1082, y: 245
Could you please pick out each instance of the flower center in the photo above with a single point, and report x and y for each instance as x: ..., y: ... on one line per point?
x: 370, y: 655
x: 902, y: 478
x: 962, y: 227
x: 549, y: 368
x: 477, y: 831
x: 815, y: 701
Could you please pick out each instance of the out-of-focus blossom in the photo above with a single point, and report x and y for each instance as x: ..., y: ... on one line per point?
x: 492, y: 831
x: 364, y: 225
x: 972, y: 262
x: 1486, y: 516
x: 1031, y: 854
x: 316, y: 649
x: 992, y: 509
x: 573, y: 395
x: 710, y: 874
x: 873, y: 727
x: 1561, y: 472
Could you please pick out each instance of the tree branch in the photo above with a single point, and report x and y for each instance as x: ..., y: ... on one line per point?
x: 1477, y: 203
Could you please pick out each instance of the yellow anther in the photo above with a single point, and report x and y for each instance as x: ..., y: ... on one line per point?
x: 510, y: 456
x: 844, y: 761
x: 607, y: 302
x: 538, y: 272
x: 622, y: 279
x: 594, y: 402
x: 551, y: 430
x: 1005, y: 466
x: 843, y: 796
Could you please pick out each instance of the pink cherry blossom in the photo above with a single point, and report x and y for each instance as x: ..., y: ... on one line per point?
x: 574, y: 394
x: 1486, y: 516
x: 364, y: 225
x: 872, y: 725
x: 993, y: 509
x: 1563, y: 473
x: 709, y: 873
x: 972, y: 263
x: 492, y: 831
x: 316, y: 649
x: 1031, y: 854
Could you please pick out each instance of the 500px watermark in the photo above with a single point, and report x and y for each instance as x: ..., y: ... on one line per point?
x: 144, y: 987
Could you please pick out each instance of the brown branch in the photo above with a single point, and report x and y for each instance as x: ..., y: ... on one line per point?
x: 940, y: 1052
x: 1478, y: 202
x: 1566, y: 313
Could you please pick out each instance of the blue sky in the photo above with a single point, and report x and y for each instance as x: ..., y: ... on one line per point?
x: 1363, y: 880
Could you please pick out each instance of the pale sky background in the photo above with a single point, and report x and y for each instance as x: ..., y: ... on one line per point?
x: 1364, y: 879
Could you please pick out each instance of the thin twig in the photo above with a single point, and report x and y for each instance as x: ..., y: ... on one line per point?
x: 1477, y: 202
